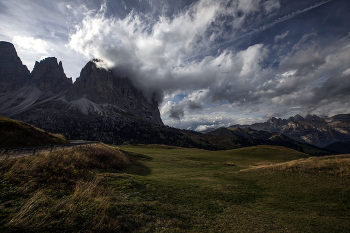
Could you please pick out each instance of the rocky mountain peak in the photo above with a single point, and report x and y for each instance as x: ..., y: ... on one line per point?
x: 296, y: 118
x: 60, y: 66
x: 8, y: 53
x: 275, y: 121
x: 13, y: 74
x: 50, y: 76
x: 309, y: 117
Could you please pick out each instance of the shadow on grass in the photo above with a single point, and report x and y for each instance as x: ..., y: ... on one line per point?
x: 136, y: 166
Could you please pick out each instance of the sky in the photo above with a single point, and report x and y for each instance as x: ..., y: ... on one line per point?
x: 209, y: 63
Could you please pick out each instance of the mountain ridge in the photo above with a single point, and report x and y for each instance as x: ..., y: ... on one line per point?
x: 315, y: 130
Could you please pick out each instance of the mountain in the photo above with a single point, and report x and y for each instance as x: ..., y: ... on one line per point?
x: 312, y: 129
x: 100, y: 90
x: 222, y: 132
x: 97, y: 91
x: 340, y: 147
x: 98, y: 106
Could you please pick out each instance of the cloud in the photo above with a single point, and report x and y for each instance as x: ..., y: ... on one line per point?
x: 187, y: 53
x: 311, y: 77
x: 30, y: 43
x: 282, y: 36
x: 192, y: 102
x: 346, y: 72
x: 154, y: 56
x: 271, y: 5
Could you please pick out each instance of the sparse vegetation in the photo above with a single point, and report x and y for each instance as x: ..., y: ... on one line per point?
x: 19, y: 134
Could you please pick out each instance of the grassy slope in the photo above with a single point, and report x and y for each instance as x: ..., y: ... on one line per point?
x: 19, y: 134
x: 170, y: 189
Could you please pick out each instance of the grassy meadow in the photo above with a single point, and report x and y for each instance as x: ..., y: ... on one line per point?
x: 155, y: 188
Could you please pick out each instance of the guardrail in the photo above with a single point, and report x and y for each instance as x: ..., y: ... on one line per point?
x: 25, y: 151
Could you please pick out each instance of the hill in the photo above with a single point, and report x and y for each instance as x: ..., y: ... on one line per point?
x: 19, y: 134
x: 340, y: 147
x: 237, y: 137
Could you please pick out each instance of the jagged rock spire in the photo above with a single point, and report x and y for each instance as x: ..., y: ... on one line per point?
x: 50, y: 76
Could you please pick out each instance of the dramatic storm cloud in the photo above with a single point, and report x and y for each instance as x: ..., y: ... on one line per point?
x: 208, y: 63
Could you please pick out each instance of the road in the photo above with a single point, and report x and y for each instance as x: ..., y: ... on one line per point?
x: 26, y: 151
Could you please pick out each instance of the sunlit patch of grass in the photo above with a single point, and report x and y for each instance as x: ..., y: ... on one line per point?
x: 335, y: 165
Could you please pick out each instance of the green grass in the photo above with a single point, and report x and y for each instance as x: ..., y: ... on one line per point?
x: 190, y: 190
x: 172, y: 189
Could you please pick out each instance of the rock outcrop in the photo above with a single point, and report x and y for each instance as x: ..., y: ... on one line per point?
x: 13, y: 74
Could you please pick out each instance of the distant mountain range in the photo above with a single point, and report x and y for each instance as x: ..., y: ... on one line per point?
x: 312, y: 129
x: 248, y: 135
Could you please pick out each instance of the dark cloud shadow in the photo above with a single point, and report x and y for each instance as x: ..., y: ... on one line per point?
x: 137, y: 167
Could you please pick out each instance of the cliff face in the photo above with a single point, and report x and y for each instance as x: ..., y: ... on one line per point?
x: 13, y: 74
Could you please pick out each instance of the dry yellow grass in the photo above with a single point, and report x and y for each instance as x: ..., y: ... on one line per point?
x: 335, y: 165
x: 88, y: 207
